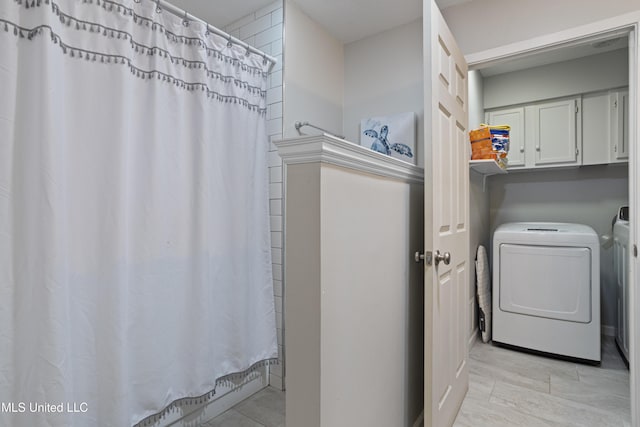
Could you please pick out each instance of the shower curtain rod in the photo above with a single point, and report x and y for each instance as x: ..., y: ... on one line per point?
x: 298, y: 125
x: 175, y: 10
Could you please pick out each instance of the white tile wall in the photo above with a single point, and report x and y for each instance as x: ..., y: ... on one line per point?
x: 270, y: 9
x: 276, y: 242
x: 255, y: 27
x: 263, y: 29
x: 269, y: 35
x: 275, y: 207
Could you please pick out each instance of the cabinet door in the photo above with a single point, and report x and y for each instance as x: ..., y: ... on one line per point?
x: 555, y: 132
x: 513, y: 117
x: 595, y: 128
x: 619, y: 102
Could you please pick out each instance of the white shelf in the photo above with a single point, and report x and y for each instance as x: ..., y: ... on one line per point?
x: 486, y: 167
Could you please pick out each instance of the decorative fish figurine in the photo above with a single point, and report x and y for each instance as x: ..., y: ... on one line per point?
x: 382, y: 145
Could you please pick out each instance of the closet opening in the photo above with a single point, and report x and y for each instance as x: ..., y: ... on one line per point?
x: 570, y: 104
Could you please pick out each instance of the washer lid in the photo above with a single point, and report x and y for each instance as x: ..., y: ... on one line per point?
x: 546, y: 232
x: 546, y: 227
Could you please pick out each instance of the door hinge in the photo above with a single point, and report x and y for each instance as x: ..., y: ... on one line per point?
x: 635, y: 251
x: 576, y: 104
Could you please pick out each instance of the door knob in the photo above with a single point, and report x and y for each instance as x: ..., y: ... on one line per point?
x: 445, y: 257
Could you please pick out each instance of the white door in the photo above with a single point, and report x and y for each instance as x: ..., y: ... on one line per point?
x: 446, y: 221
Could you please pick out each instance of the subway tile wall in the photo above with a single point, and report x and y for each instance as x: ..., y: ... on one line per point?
x: 263, y: 29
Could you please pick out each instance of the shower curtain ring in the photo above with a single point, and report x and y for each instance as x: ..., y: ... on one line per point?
x: 158, y: 8
x: 185, y: 20
x: 229, y: 42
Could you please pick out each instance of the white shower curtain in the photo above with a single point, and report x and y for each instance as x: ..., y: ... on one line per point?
x: 134, y: 237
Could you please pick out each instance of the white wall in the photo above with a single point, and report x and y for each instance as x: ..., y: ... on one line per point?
x: 589, y: 74
x: 478, y: 199
x: 476, y: 99
x: 314, y: 75
x: 264, y: 29
x: 588, y: 195
x: 354, y: 295
x: 383, y: 76
x: 373, y: 293
x: 481, y: 25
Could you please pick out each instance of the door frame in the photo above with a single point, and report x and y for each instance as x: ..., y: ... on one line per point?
x: 623, y: 24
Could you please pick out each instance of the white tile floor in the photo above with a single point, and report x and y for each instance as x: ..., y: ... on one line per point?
x: 263, y: 409
x: 512, y: 388
x: 507, y: 388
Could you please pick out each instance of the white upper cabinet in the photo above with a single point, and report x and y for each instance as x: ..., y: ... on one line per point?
x: 542, y: 135
x: 514, y: 117
x: 589, y: 129
x: 619, y: 104
x: 605, y: 138
x: 596, y: 128
x: 555, y: 129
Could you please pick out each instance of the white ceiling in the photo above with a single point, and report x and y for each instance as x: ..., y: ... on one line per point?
x: 346, y: 20
x: 351, y: 20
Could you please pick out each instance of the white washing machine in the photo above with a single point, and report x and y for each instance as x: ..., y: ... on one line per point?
x: 546, y: 282
x: 621, y: 274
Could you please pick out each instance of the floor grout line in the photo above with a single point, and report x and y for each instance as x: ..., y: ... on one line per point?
x: 556, y: 401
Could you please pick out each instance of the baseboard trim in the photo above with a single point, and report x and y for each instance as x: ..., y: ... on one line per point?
x: 472, y: 339
x: 419, y: 422
x: 608, y: 331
